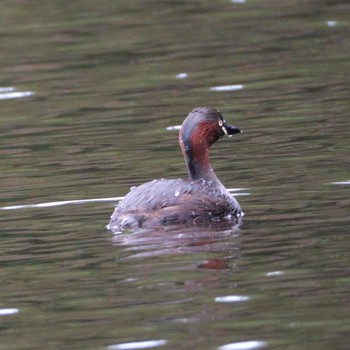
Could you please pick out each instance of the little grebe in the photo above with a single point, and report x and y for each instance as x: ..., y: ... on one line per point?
x: 200, y: 199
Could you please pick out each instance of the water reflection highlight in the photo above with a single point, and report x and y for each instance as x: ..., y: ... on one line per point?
x: 138, y: 345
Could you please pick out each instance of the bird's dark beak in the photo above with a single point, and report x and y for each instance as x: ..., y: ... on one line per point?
x: 230, y: 130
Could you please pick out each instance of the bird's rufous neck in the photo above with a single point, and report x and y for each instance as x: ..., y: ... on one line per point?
x: 196, y: 154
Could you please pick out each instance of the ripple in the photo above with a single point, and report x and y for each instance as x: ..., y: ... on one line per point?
x: 9, y: 311
x: 181, y: 76
x: 138, y: 345
x: 173, y: 128
x: 231, y: 299
x: 226, y: 88
x: 274, y: 273
x: 59, y: 203
x: 238, y: 191
x: 244, y: 345
x: 332, y: 23
x: 341, y: 183
x: 8, y: 93
x: 7, y: 89
x: 93, y: 200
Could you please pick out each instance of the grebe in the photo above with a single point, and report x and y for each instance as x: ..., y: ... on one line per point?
x: 200, y: 199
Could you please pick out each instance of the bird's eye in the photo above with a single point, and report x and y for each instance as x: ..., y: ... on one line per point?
x: 221, y: 123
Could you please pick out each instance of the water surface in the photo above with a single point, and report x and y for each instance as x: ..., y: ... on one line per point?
x: 93, y: 91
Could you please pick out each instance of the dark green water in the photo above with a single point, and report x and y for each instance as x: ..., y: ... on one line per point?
x: 97, y: 87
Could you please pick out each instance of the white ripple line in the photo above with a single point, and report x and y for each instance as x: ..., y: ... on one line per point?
x: 59, y: 203
x: 92, y: 200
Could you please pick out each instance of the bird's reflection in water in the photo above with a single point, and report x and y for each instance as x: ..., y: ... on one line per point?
x: 218, y: 245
